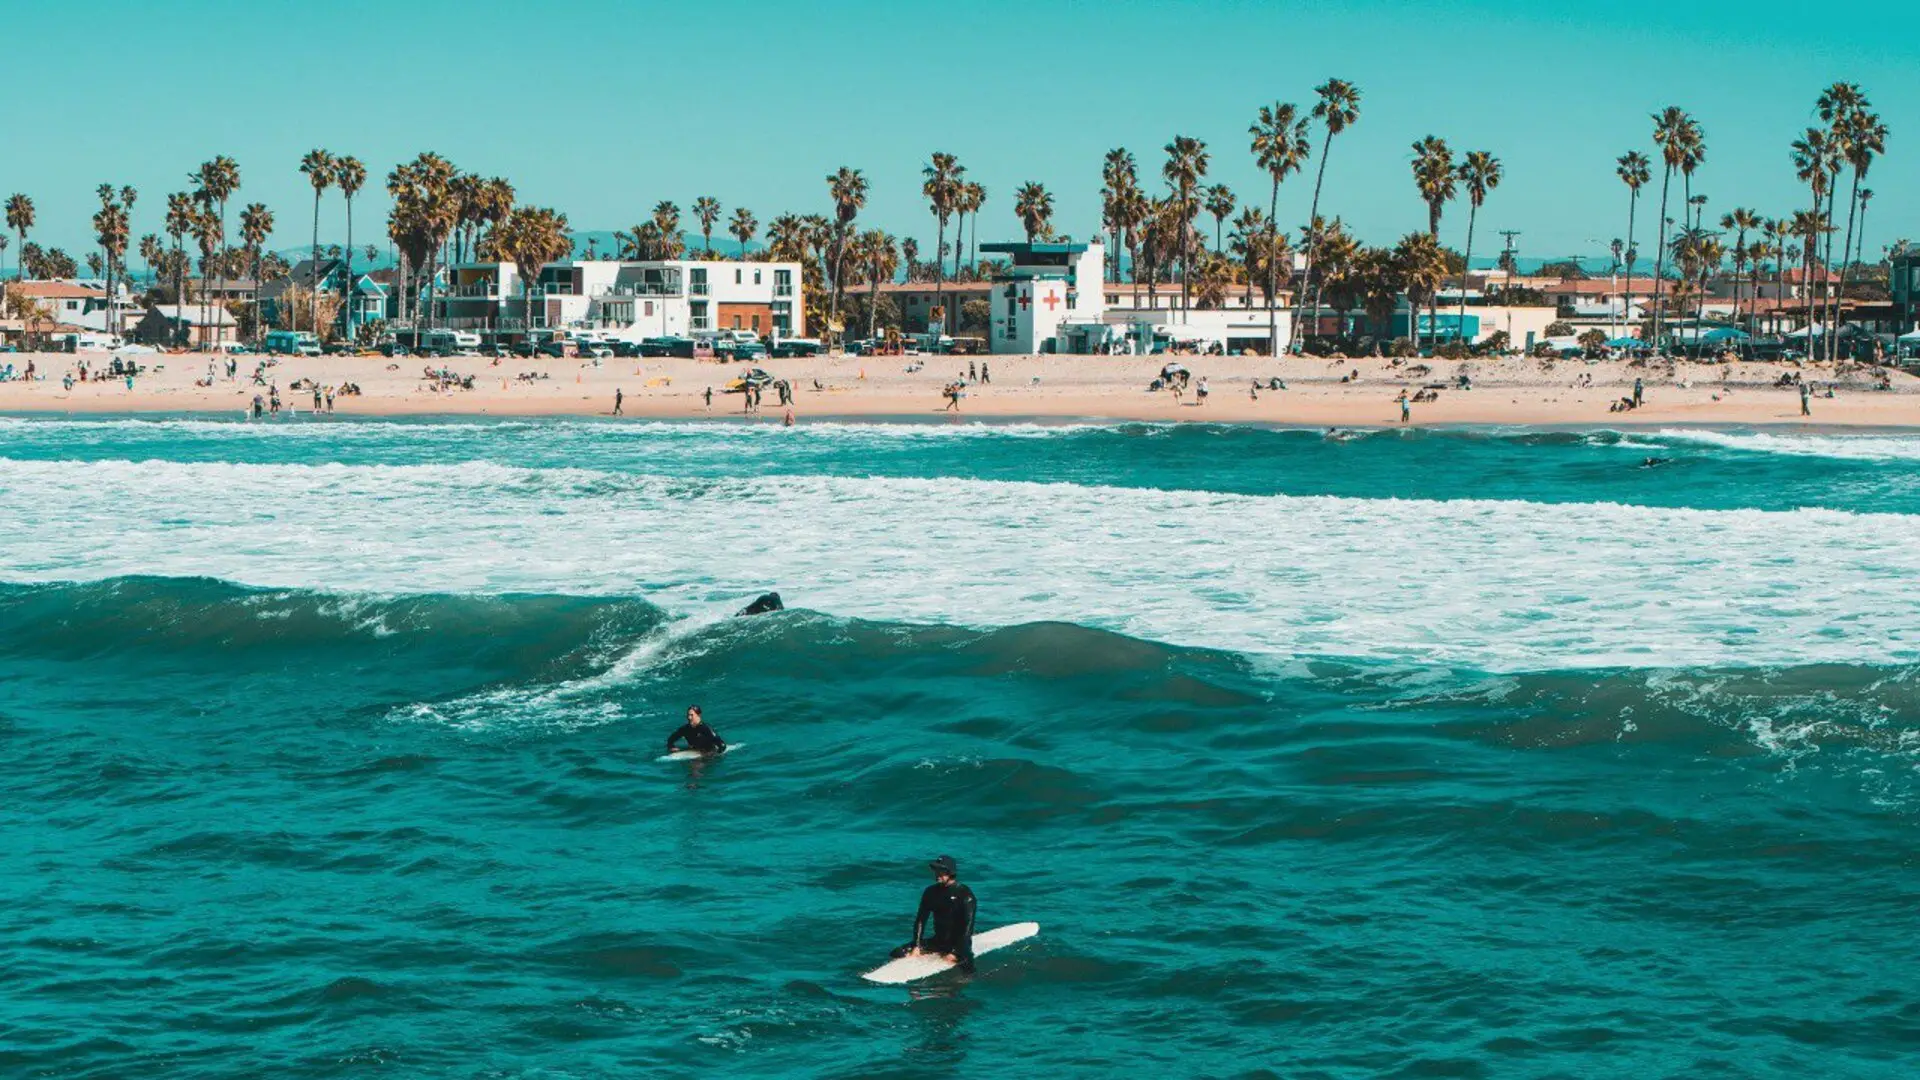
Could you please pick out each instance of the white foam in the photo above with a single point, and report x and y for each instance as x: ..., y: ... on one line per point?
x: 1845, y: 447
x: 1490, y: 584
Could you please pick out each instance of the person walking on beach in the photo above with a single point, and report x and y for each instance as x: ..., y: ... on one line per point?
x: 1639, y: 391
x: 984, y: 377
x: 1406, y: 409
x: 709, y: 397
x: 317, y: 399
x: 1804, y: 396
x: 1200, y: 391
x: 619, y: 399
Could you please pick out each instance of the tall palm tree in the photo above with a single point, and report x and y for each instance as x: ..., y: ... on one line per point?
x: 1220, y: 203
x: 351, y: 175
x: 208, y: 235
x: 1863, y: 138
x: 706, y: 210
x: 318, y: 168
x: 1742, y: 221
x: 848, y: 189
x: 256, y: 224
x: 1634, y: 170
x: 1337, y: 110
x: 1480, y: 173
x: 881, y: 261
x: 943, y: 180
x: 967, y: 205
x: 1860, y: 248
x: 1249, y: 243
x: 1186, y: 166
x: 20, y: 218
x: 742, y: 227
x: 666, y: 217
x: 973, y: 197
x: 1034, y: 206
x: 910, y: 255
x: 1420, y: 266
x: 1280, y: 148
x: 1118, y: 176
x: 179, y: 222
x: 1816, y: 162
x: 1674, y: 132
x: 1438, y: 183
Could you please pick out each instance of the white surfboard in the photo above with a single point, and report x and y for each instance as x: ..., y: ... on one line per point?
x: 911, y: 968
x: 692, y: 755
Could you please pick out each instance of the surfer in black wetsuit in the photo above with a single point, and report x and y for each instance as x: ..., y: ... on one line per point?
x: 697, y: 735
x: 950, y: 904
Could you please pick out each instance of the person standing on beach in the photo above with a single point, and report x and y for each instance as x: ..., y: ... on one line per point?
x: 1804, y: 395
x: 984, y: 377
x: 1406, y: 410
x: 709, y: 396
x: 1200, y: 391
x: 329, y: 401
x: 619, y: 399
x: 1639, y: 391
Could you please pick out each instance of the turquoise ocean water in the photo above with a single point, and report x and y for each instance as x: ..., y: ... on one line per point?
x: 330, y: 750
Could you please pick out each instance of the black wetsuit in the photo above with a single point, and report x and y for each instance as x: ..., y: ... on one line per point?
x: 951, y: 908
x: 699, y: 737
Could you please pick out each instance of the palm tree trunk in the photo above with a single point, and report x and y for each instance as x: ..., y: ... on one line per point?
x: 1660, y: 257
x: 1853, y: 201
x: 873, y: 308
x: 1473, y: 211
x: 1633, y: 204
x: 1313, y: 239
x: 939, y: 277
x: 313, y: 268
x: 1273, y: 223
x: 346, y: 317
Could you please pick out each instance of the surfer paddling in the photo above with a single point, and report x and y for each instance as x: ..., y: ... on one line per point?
x: 950, y: 905
x: 698, y: 735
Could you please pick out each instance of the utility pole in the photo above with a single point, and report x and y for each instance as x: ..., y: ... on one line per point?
x: 1507, y: 260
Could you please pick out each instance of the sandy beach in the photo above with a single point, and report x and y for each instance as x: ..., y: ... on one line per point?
x: 1512, y: 390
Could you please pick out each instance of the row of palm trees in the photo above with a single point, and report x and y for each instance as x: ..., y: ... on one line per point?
x: 1853, y: 139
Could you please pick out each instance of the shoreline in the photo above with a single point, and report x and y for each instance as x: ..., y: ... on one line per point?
x: 1508, y: 392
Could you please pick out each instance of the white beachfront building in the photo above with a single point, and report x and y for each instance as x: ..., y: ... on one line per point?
x: 627, y: 299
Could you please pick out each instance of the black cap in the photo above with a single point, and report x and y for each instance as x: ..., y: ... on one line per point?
x: 945, y: 865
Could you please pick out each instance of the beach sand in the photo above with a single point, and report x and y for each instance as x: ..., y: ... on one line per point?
x: 1513, y: 391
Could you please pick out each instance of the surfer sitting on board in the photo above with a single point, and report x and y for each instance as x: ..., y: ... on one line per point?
x: 697, y: 734
x: 951, y: 906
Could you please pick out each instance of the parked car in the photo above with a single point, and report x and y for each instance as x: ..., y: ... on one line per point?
x: 790, y: 347
x: 667, y: 346
x: 558, y: 348
x: 599, y: 350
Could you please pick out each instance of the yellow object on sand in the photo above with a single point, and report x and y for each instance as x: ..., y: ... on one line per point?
x: 660, y: 380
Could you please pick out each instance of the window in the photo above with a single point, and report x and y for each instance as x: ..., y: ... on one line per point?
x: 756, y: 324
x: 649, y: 307
x: 756, y: 277
x: 736, y: 275
x: 736, y: 322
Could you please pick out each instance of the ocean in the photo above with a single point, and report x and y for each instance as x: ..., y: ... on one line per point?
x: 331, y: 749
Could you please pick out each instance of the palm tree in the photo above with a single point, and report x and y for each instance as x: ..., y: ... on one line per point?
x: 208, y: 235
x: 1220, y: 203
x: 742, y: 227
x: 1420, y: 267
x: 1118, y: 177
x: 1280, y: 148
x: 1434, y: 176
x: 706, y: 210
x: 973, y: 196
x: 351, y: 175
x: 1741, y: 221
x: 426, y: 208
x: 1634, y: 170
x: 1863, y: 138
x: 20, y: 218
x: 256, y: 224
x: 1186, y: 166
x: 1816, y: 162
x: 881, y: 263
x: 1249, y: 243
x: 1675, y: 133
x: 848, y: 190
x: 942, y: 184
x: 1479, y: 174
x: 1860, y: 248
x: 179, y: 222
x: 530, y: 238
x: 910, y: 255
x: 318, y: 168
x: 666, y: 218
x: 1338, y: 109
x: 1034, y: 206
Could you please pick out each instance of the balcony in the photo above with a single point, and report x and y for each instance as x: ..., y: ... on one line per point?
x: 697, y: 288
x: 642, y: 288
x: 483, y: 289
x: 782, y: 289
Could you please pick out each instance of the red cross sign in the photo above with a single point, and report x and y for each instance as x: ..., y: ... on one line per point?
x: 1052, y: 301
x: 1025, y: 301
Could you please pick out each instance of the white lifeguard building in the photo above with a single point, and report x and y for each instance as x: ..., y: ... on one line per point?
x: 1045, y: 286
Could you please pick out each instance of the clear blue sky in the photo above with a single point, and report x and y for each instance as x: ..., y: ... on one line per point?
x: 601, y: 108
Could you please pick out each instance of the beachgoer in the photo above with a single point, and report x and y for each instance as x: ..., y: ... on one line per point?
x: 984, y: 377
x: 1254, y: 390
x: 1200, y: 391
x: 1804, y: 409
x: 950, y: 905
x: 317, y: 399
x: 789, y: 420
x: 329, y: 401
x: 1639, y: 391
x: 972, y: 373
x: 619, y: 397
x: 698, y: 735
x: 1406, y: 409
x: 709, y: 396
